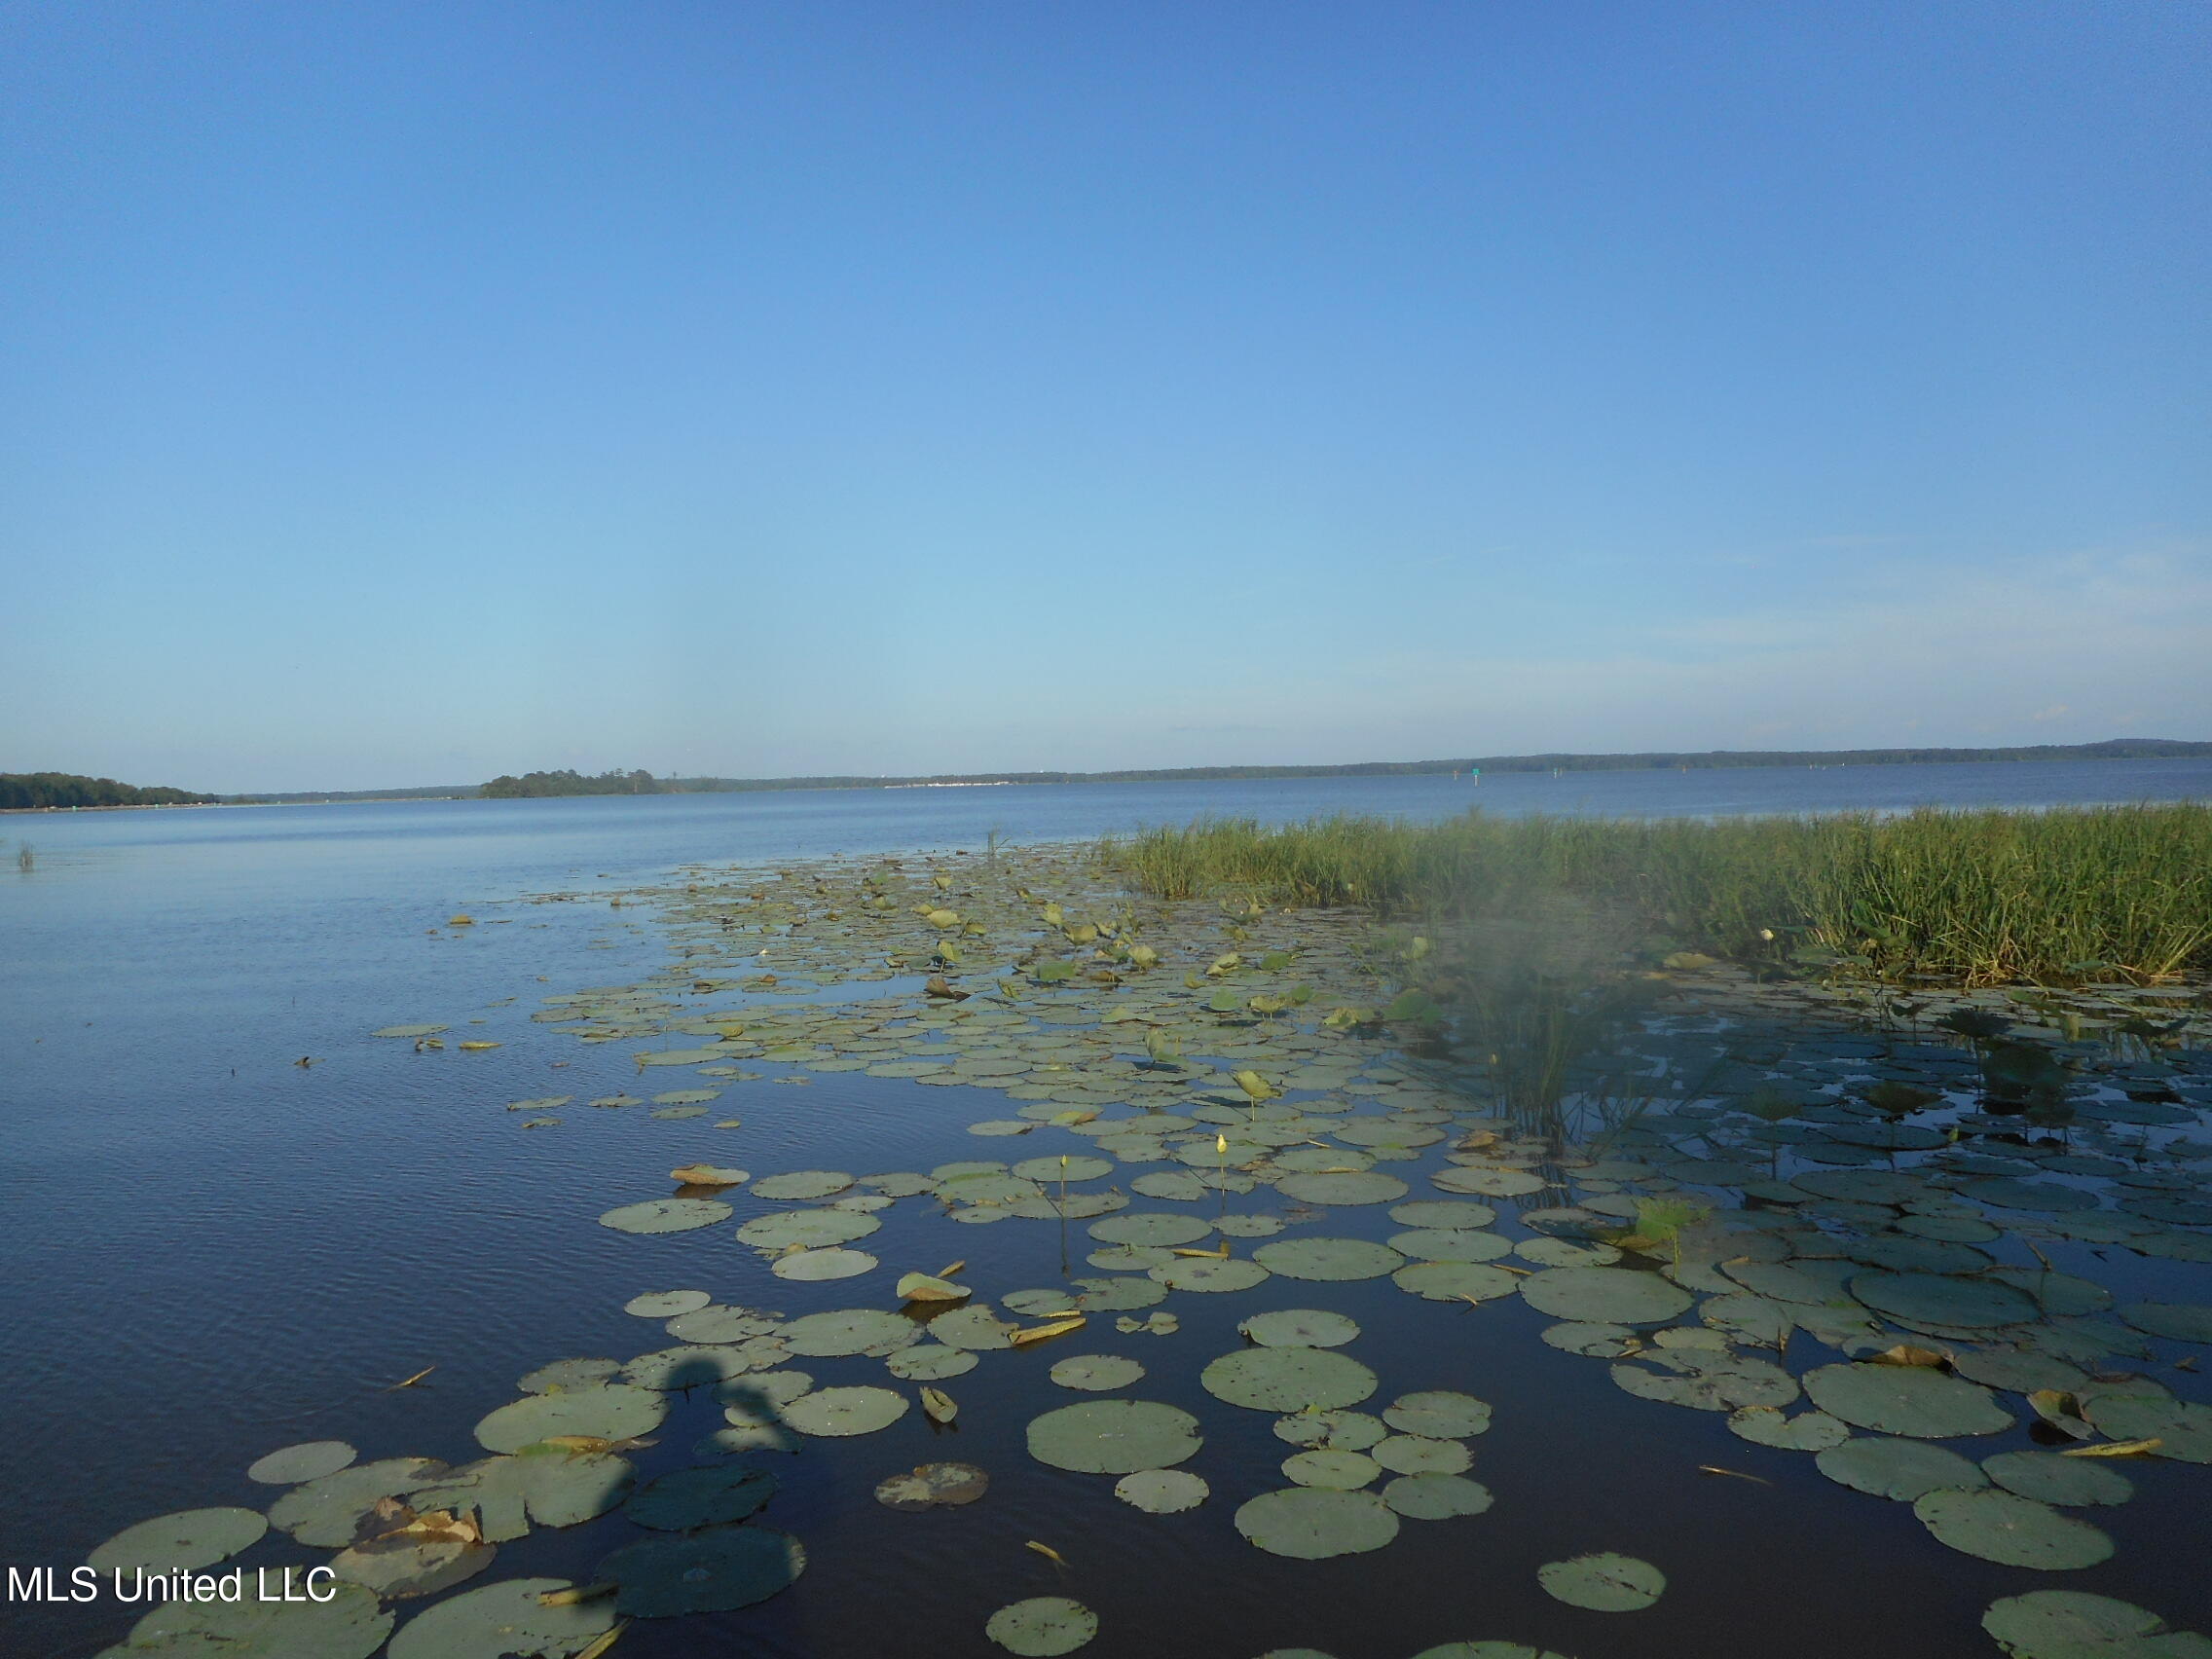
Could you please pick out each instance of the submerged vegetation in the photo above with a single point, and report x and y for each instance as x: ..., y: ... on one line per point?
x: 2061, y: 895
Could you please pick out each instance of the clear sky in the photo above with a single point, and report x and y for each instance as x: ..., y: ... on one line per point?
x: 403, y: 393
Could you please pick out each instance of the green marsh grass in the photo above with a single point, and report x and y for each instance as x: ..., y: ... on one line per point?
x: 2058, y: 895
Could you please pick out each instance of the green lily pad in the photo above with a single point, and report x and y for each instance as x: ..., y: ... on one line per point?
x: 1616, y: 1296
x: 1041, y: 1626
x: 1328, y: 1260
x: 1421, y: 1454
x: 686, y: 1499
x: 410, y: 1031
x: 1938, y: 1299
x: 348, y: 1626
x: 664, y: 1304
x: 807, y: 1228
x: 552, y: 1487
x: 1902, y: 1469
x: 673, y: 1369
x: 565, y: 1374
x: 1313, y: 1523
x: 1488, y: 1183
x: 1592, y: 1340
x: 187, y: 1540
x: 1162, y: 1491
x: 327, y: 1512
x: 1339, y: 1471
x: 1906, y: 1399
x: 1114, y: 1437
x: 2010, y: 1531
x: 713, y: 1324
x: 1605, y: 1583
x: 856, y: 1330
x: 505, y: 1618
x: 1288, y: 1379
x: 2048, y: 1478
x: 703, y: 1572
x: 802, y: 1184
x: 836, y: 1413
x: 1807, y: 1431
x: 1171, y: 1184
x: 1050, y: 1171
x: 1150, y: 1227
x: 2072, y: 1624
x: 1442, y: 1213
x: 611, y: 1411
x: 2179, y: 1321
x: 1339, y: 1431
x: 1438, y: 1414
x: 819, y: 1267
x: 667, y: 1215
x: 1436, y: 1496
x: 1299, y: 1327
x: 309, y: 1460
x: 1208, y: 1273
x: 1096, y: 1372
x: 929, y: 1362
x: 2182, y: 1427
x: 1352, y: 1187
x: 1705, y: 1381
x: 1455, y: 1282
x: 975, y: 1327
x: 1468, y: 1245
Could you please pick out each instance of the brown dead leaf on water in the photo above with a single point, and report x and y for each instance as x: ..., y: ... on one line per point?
x: 2115, y: 1449
x: 1732, y: 1474
x: 407, y: 1382
x: 1060, y: 1326
x: 577, y: 1592
x: 604, y: 1642
x: 938, y: 1406
x: 1904, y: 1353
x: 1047, y: 1551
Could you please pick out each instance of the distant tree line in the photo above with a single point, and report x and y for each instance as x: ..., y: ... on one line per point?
x: 20, y: 790
x: 508, y: 786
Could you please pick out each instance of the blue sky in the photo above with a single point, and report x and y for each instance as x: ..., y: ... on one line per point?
x: 404, y: 393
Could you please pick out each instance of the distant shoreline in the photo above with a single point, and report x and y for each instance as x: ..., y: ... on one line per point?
x: 2122, y: 748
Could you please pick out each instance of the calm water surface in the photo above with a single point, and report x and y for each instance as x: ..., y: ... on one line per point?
x: 211, y: 1250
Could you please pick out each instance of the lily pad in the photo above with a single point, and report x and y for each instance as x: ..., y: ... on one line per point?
x: 1299, y: 1327
x: 327, y: 1512
x: 1436, y: 1496
x: 1807, y: 1431
x: 703, y: 1572
x: 1941, y: 1298
x: 1114, y: 1437
x: 1041, y: 1626
x: 1288, y: 1379
x: 2179, y: 1321
x: 1902, y: 1469
x: 2013, y: 1532
x: 1438, y: 1414
x: 1050, y: 1171
x: 1096, y: 1372
x: 1488, y: 1183
x: 401, y: 1568
x: 348, y: 1626
x: 1421, y: 1454
x: 187, y: 1540
x: 1209, y: 1274
x: 2048, y: 1478
x: 977, y: 1328
x: 1351, y: 1187
x: 1328, y: 1260
x: 1455, y: 1282
x: 807, y: 1228
x: 929, y: 1362
x: 504, y: 1618
x: 802, y: 1184
x: 818, y: 1267
x: 1150, y: 1227
x: 667, y: 1215
x: 856, y: 1330
x: 1906, y: 1399
x: 1616, y: 1296
x: 1603, y: 1583
x: 309, y: 1460
x: 1312, y: 1523
x: 1338, y: 1471
x: 2072, y: 1624
x: 686, y: 1499
x: 565, y: 1374
x: 663, y: 1305
x: 1162, y: 1491
x: 836, y: 1413
x: 611, y: 1411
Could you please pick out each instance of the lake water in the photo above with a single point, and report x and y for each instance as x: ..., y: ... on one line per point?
x: 211, y: 1249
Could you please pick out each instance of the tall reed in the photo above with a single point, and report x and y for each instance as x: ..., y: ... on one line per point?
x: 1982, y: 897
